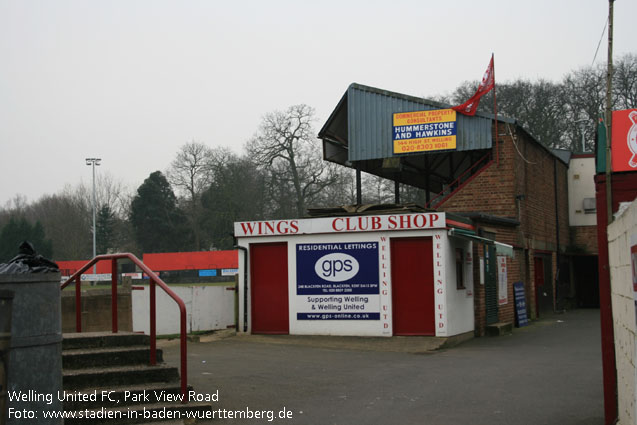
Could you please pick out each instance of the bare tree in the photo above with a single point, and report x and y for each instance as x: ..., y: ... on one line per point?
x: 14, y: 207
x: 285, y: 145
x: 377, y: 190
x: 191, y: 173
x: 625, y: 82
x: 109, y: 191
x: 343, y: 189
x: 66, y: 218
x: 237, y: 194
x: 554, y: 112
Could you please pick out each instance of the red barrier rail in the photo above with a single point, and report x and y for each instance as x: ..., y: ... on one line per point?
x: 154, y: 280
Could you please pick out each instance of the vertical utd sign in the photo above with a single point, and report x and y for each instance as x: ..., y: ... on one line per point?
x: 424, y: 131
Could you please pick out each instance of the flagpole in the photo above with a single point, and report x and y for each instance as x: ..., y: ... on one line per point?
x: 495, y: 112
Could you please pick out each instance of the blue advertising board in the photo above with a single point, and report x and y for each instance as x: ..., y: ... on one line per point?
x: 424, y: 131
x: 519, y: 295
x: 337, y: 281
x: 337, y: 268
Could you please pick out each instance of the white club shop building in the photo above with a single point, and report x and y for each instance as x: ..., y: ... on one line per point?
x: 362, y: 275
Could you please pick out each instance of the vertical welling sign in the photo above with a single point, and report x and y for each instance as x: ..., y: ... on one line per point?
x: 424, y: 131
x: 337, y: 281
x: 624, y: 140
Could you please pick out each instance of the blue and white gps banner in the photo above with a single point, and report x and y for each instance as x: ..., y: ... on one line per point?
x: 337, y: 281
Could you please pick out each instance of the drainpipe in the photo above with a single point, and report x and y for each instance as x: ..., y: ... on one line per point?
x: 245, y: 286
x: 557, y: 231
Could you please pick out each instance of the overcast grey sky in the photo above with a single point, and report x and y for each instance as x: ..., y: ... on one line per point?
x: 131, y: 81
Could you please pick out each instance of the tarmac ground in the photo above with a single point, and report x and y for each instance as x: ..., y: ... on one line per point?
x: 547, y: 373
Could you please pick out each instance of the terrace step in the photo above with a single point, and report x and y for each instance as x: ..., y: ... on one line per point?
x: 103, y: 339
x: 75, y: 379
x: 107, y: 379
x: 77, y: 358
x: 91, y: 398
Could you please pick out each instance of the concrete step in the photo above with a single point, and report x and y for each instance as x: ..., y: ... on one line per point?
x: 499, y: 329
x: 144, y: 413
x: 116, y: 396
x: 77, y: 379
x: 107, y: 379
x: 86, y: 340
x: 77, y: 358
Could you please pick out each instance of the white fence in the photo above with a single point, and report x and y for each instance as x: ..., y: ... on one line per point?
x: 207, y: 308
x: 622, y: 253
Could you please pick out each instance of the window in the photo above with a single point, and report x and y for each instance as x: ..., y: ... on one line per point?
x: 589, y: 206
x: 459, y: 269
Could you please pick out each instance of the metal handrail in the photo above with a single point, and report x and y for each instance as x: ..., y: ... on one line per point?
x: 154, y: 280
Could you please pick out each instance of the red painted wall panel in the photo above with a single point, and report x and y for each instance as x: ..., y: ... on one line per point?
x: 412, y: 286
x: 202, y: 260
x: 269, y: 288
x: 67, y: 268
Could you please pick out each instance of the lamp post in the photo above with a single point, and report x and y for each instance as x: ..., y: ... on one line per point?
x: 582, y: 128
x: 93, y: 162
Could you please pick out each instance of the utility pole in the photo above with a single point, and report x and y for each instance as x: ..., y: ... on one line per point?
x: 609, y: 113
x: 93, y: 162
x: 582, y: 129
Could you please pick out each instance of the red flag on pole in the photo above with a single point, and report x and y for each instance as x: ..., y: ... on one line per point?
x: 487, y: 83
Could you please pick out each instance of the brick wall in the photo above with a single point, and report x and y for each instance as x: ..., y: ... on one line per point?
x: 96, y: 310
x: 584, y: 239
x: 526, y: 170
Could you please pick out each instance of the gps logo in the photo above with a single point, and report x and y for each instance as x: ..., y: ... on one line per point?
x: 336, y: 267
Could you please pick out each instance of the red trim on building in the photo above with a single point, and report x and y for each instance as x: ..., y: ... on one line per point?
x: 67, y: 268
x: 202, y: 260
x: 458, y: 224
x: 623, y: 189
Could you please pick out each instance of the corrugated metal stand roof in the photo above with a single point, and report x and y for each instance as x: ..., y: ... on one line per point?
x: 359, y: 133
x: 370, y: 118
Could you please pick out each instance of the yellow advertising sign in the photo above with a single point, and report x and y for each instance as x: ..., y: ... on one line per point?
x: 424, y: 131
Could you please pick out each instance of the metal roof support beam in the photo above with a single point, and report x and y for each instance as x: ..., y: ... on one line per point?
x: 412, y: 168
x: 359, y: 185
x: 427, y: 191
x: 438, y: 160
x: 396, y: 192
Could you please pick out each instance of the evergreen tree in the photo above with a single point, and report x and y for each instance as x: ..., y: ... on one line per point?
x: 236, y: 194
x: 158, y: 224
x: 18, y: 230
x: 105, y: 229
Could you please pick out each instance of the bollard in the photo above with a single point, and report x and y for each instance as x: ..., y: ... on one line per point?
x: 6, y: 297
x: 35, y: 354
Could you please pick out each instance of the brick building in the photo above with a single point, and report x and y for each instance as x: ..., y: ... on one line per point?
x: 583, y: 248
x: 515, y: 194
x: 520, y: 200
